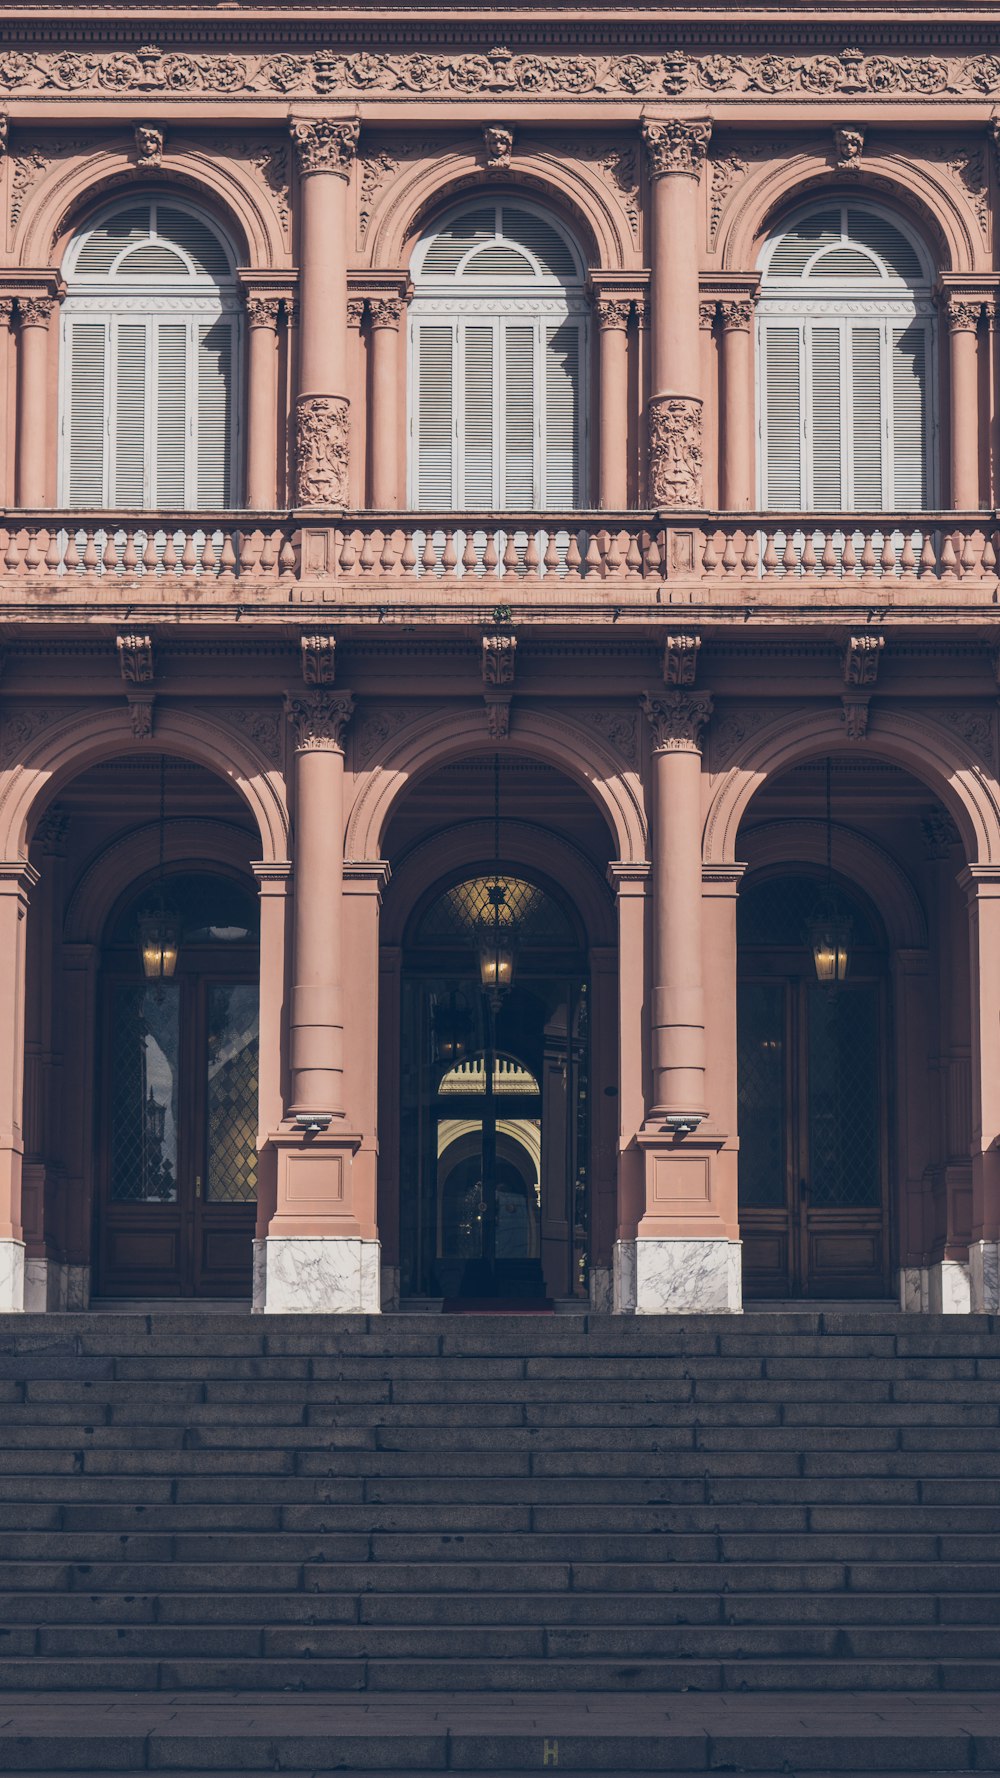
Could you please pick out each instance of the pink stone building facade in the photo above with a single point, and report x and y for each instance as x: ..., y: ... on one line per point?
x: 552, y: 457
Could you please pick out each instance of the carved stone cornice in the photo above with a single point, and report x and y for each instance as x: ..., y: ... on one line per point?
x: 677, y: 719
x: 319, y: 658
x: 499, y: 657
x: 861, y: 659
x: 717, y: 72
x: 676, y: 145
x: 135, y: 658
x: 680, y: 660
x: 319, y: 720
x: 854, y: 714
x: 325, y: 144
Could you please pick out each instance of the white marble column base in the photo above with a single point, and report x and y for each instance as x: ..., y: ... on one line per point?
x: 600, y: 1290
x: 679, y: 1276
x: 984, y: 1277
x: 316, y: 1275
x: 940, y: 1289
x: 11, y: 1277
x: 623, y: 1278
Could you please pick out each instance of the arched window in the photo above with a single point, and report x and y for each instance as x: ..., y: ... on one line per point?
x: 150, y: 336
x: 498, y: 336
x: 845, y: 353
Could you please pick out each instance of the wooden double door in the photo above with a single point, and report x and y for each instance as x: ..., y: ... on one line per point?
x: 178, y: 1163
x: 813, y: 1133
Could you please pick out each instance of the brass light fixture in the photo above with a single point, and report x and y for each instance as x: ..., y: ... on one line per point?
x: 496, y: 938
x: 829, y: 929
x: 159, y: 926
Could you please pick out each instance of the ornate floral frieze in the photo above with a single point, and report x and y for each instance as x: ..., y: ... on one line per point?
x: 261, y: 726
x: 378, y: 726
x: 499, y: 71
x: 675, y: 451
x: 322, y: 450
x: 731, y: 730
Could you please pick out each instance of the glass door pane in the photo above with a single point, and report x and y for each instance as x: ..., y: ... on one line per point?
x: 844, y: 1167
x: 145, y: 1060
x: 761, y: 1019
x: 233, y: 1026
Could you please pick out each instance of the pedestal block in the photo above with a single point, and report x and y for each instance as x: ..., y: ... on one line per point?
x: 984, y: 1277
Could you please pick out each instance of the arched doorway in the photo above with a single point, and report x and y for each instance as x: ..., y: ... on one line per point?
x: 813, y: 1097
x: 176, y: 1179
x: 495, y: 1116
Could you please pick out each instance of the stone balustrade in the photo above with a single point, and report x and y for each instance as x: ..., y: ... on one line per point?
x: 412, y: 556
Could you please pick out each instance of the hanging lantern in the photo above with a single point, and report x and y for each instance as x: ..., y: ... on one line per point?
x: 496, y: 944
x: 828, y: 932
x: 159, y: 928
x: 830, y: 941
x: 159, y: 942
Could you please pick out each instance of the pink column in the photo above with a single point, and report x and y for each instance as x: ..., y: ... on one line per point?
x: 963, y: 327
x: 17, y: 879
x: 385, y: 314
x: 737, y: 478
x: 612, y: 475
x: 678, y: 1013
x: 319, y: 720
x: 982, y: 886
x: 709, y: 373
x: 272, y: 879
x: 262, y: 403
x: 325, y: 149
x: 676, y: 149
x: 33, y: 314
x: 6, y: 382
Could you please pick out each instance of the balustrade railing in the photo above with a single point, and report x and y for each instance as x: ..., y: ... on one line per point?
x: 422, y: 555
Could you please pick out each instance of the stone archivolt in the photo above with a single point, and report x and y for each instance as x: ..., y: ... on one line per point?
x: 499, y: 71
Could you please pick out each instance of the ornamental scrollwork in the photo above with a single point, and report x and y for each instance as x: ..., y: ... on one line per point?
x: 677, y: 719
x: 963, y: 316
x: 737, y: 314
x: 262, y: 311
x: 675, y: 451
x: 386, y: 311
x: 499, y: 71
x: 325, y: 144
x: 35, y: 311
x: 322, y: 450
x: 319, y: 720
x: 676, y: 145
x: 613, y: 313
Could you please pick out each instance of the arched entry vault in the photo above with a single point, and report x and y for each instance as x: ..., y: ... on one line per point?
x: 558, y: 831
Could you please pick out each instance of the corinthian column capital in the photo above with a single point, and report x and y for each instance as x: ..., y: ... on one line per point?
x: 677, y: 719
x: 676, y: 144
x: 319, y: 720
x: 325, y: 144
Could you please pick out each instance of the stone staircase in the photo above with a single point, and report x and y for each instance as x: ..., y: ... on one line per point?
x: 497, y: 1509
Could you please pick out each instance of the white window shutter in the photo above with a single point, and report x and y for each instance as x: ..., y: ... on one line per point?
x: 435, y: 398
x: 214, y: 370
x: 478, y: 443
x: 867, y: 418
x: 87, y: 344
x: 909, y: 417
x: 520, y: 492
x: 171, y: 413
x: 783, y: 415
x: 827, y: 420
x: 130, y: 482
x: 562, y: 415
